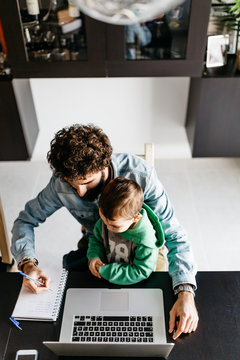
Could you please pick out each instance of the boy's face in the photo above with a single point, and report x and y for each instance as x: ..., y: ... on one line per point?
x: 118, y: 225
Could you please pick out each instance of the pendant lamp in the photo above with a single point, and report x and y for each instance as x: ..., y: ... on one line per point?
x: 126, y: 12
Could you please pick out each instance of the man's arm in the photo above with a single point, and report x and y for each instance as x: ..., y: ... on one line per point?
x: 36, y: 211
x: 182, y: 267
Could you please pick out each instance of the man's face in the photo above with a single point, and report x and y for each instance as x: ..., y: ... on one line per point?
x: 90, y: 187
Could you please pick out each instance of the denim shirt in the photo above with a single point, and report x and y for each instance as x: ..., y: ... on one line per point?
x: 57, y: 193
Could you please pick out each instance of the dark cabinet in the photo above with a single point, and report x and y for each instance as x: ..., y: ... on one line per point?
x: 37, y: 62
x: 18, y: 125
x: 213, y: 118
x: 178, y: 50
x: 18, y: 120
x: 174, y: 45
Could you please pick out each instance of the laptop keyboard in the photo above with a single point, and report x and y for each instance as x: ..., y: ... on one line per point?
x: 113, y: 329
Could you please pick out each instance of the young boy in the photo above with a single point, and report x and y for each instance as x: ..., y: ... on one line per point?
x: 127, y: 237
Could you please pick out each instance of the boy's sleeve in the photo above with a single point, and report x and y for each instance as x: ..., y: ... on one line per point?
x: 125, y: 274
x: 95, y: 246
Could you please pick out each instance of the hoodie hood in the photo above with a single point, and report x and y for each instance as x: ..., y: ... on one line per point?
x: 148, y: 231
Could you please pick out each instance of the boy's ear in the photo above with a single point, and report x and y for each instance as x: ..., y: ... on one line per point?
x: 137, y: 217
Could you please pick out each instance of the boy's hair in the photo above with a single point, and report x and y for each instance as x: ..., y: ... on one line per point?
x: 79, y: 150
x: 121, y: 197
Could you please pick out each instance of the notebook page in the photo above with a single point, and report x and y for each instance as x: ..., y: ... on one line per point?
x: 43, y: 306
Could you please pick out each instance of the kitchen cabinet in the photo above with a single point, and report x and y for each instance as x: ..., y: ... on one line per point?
x: 178, y: 49
x: 18, y: 125
x: 175, y: 43
x: 213, y: 117
x: 36, y: 48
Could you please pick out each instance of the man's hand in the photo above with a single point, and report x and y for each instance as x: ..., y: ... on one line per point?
x: 34, y: 272
x: 185, y: 310
x: 94, y: 266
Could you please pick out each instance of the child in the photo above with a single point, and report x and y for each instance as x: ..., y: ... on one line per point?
x: 126, y: 240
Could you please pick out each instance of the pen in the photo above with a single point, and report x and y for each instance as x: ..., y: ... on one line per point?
x: 29, y: 278
x: 15, y: 322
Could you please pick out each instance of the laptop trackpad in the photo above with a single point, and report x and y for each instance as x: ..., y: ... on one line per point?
x: 114, y: 301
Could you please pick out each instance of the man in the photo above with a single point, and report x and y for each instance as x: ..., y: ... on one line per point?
x: 82, y: 162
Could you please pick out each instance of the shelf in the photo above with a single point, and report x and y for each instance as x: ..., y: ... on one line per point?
x: 226, y: 71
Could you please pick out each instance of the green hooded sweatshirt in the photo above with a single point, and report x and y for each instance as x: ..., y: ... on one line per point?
x: 148, y: 237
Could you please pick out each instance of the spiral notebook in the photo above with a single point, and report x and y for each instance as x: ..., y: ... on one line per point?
x: 44, y: 306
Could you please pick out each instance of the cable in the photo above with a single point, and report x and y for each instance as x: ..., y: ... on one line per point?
x: 5, y: 350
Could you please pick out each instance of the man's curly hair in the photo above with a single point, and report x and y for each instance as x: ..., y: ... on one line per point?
x: 79, y: 150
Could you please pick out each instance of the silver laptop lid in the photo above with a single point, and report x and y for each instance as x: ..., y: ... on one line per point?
x: 121, y: 302
x: 113, y: 302
x: 106, y: 350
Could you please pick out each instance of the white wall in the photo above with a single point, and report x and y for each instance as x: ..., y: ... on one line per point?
x: 131, y: 111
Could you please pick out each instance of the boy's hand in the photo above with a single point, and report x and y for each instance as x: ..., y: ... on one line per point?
x: 94, y: 266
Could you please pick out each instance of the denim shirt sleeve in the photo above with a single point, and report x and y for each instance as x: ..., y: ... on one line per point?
x: 182, y: 267
x: 36, y: 211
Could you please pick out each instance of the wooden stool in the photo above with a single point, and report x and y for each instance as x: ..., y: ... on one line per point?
x: 6, y: 261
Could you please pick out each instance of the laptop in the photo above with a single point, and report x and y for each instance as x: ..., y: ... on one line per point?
x: 112, y: 322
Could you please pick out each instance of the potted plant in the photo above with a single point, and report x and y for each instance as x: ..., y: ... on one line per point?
x: 231, y: 18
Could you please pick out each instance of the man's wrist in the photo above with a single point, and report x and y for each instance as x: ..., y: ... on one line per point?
x: 30, y: 261
x: 29, y: 266
x: 185, y: 295
x: 183, y: 288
